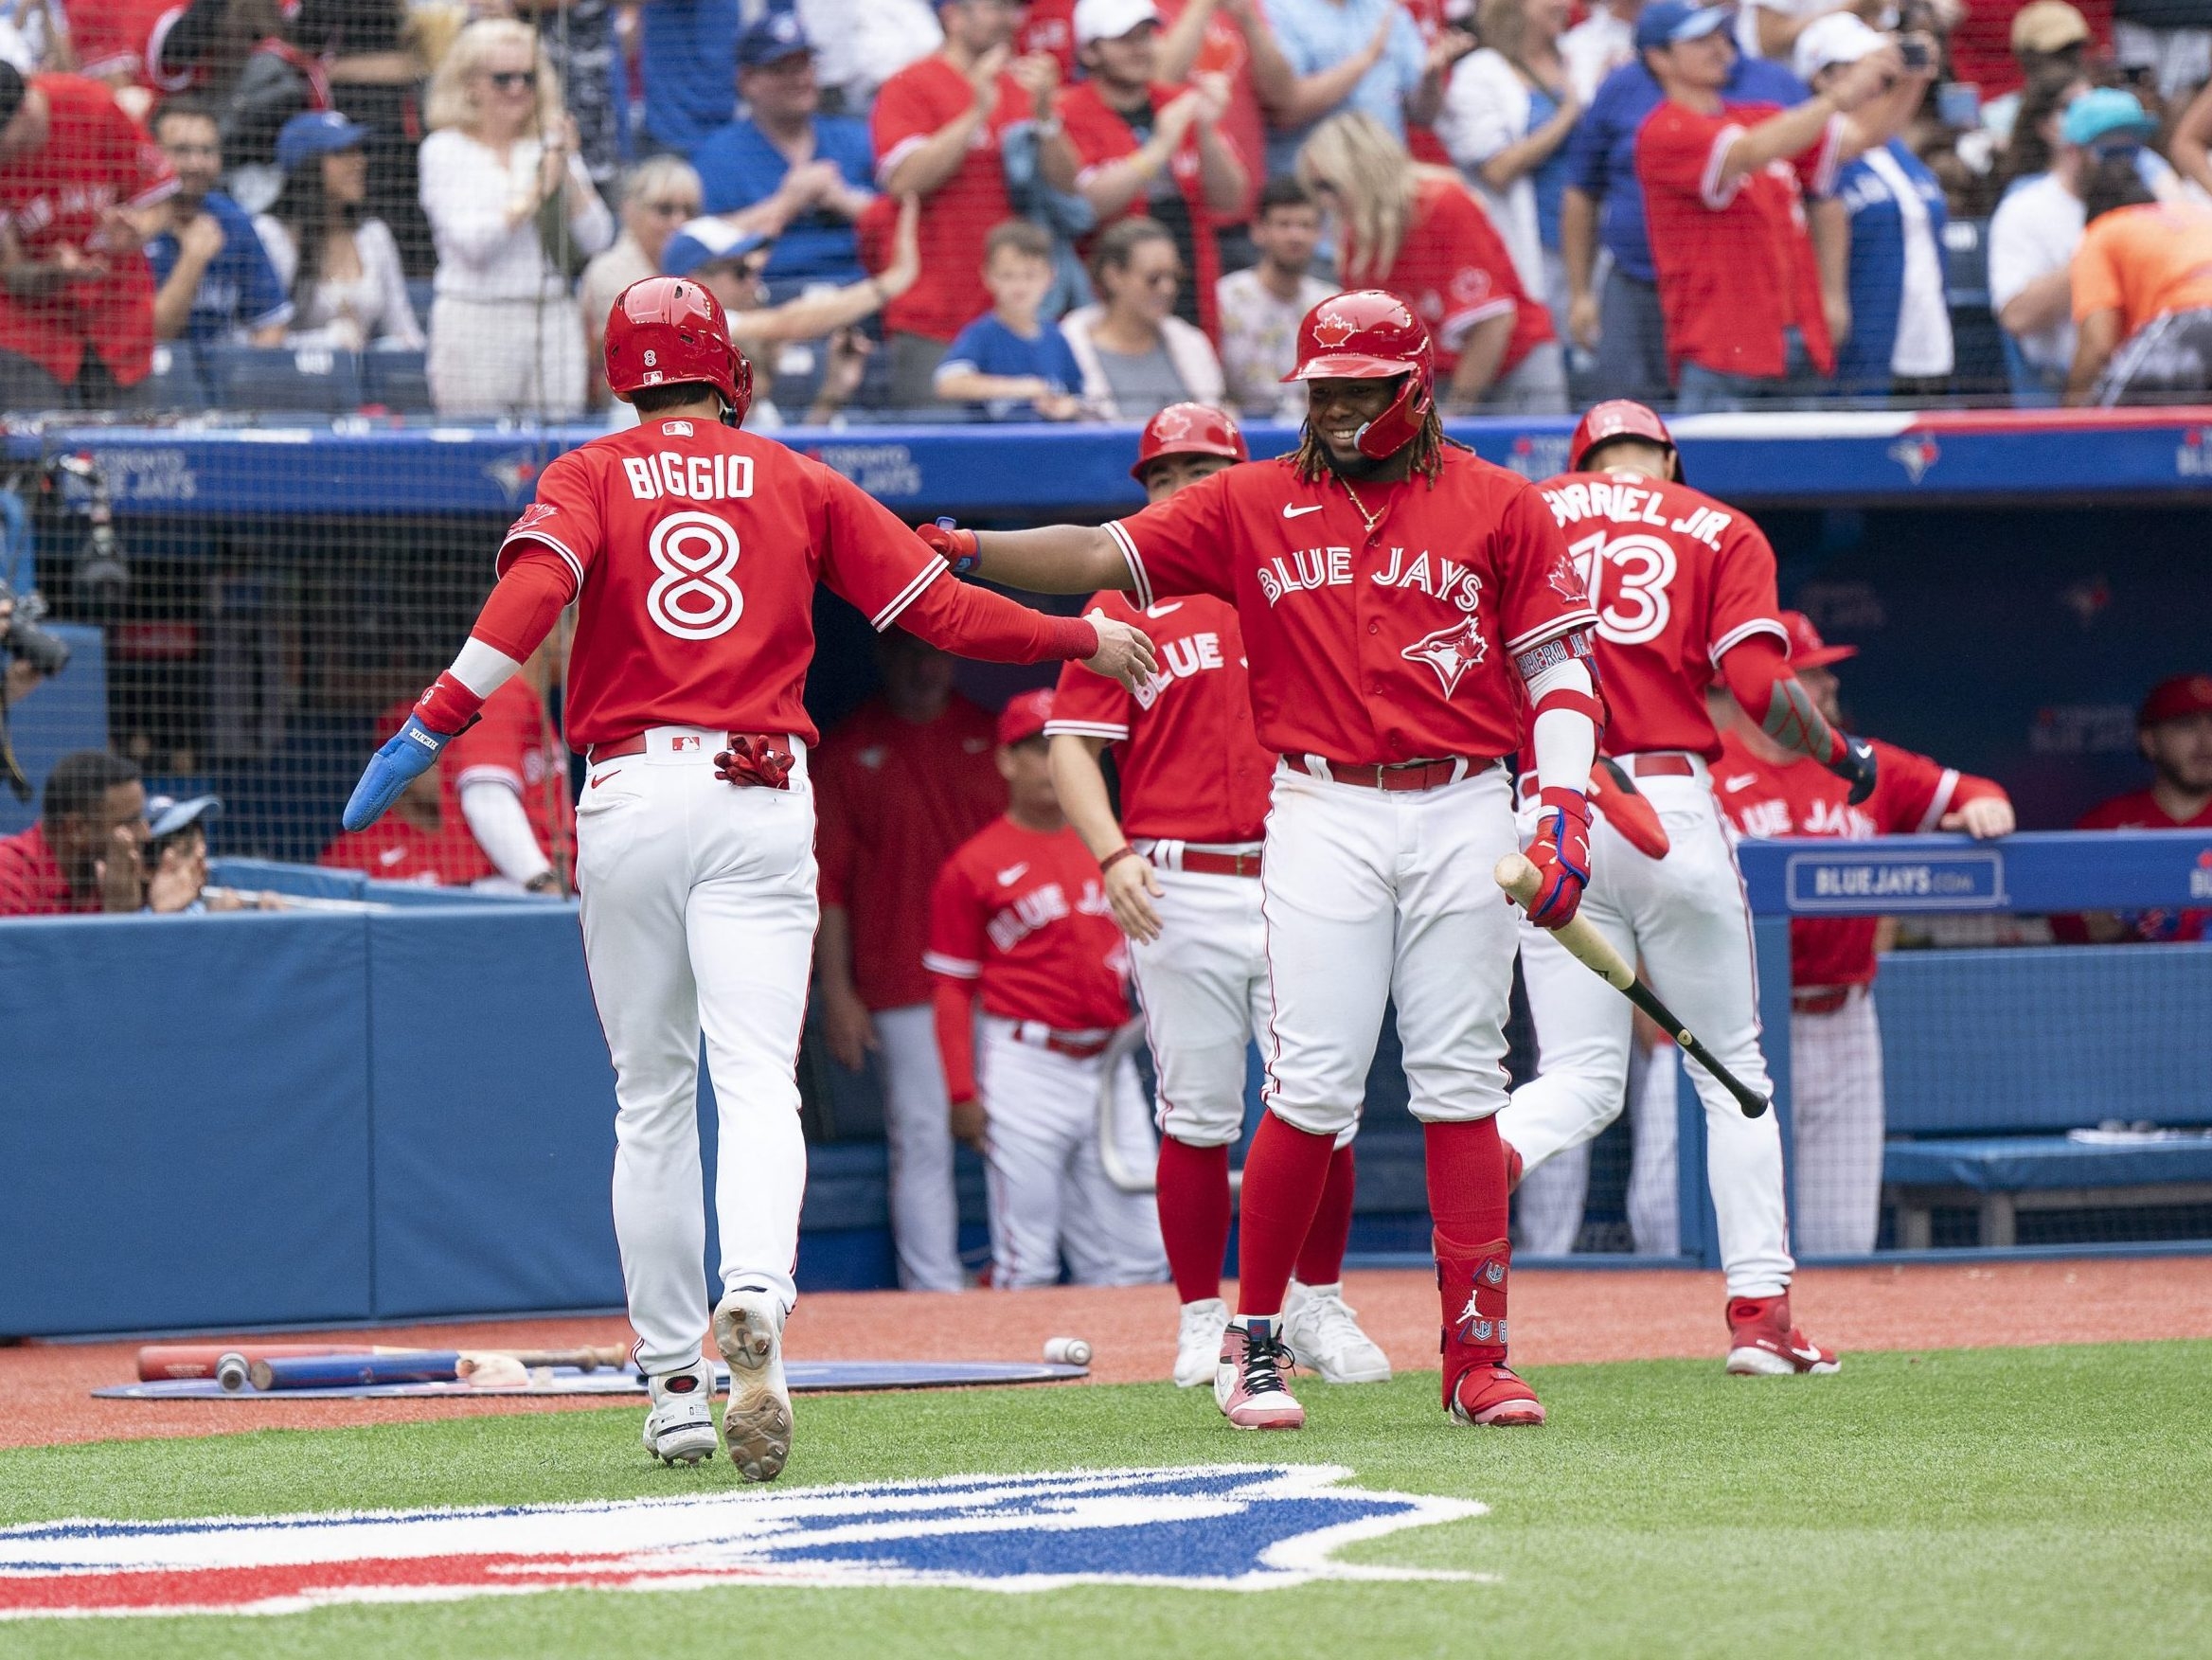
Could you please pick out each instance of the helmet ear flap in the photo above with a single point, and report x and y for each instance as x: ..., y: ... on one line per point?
x: 1401, y: 423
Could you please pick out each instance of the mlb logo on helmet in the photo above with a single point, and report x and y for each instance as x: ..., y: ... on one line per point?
x: 1255, y: 1527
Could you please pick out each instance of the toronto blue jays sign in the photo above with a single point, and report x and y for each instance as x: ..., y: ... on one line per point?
x: 1248, y: 1528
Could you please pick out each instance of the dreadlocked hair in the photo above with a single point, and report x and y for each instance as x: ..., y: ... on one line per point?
x: 1310, y: 461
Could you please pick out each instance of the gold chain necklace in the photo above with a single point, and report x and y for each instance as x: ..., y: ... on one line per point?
x: 1372, y: 519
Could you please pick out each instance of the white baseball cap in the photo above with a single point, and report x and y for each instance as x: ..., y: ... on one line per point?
x: 1841, y: 36
x: 1109, y: 20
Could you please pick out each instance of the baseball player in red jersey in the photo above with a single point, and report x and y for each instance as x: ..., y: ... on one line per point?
x: 1399, y: 600
x: 693, y: 550
x: 1682, y: 584
x: 1835, y: 1043
x: 423, y: 841
x: 1019, y: 922
x: 2173, y: 729
x: 1182, y: 868
x: 509, y: 775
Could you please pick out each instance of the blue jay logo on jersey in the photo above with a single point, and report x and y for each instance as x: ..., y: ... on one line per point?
x: 1248, y: 1528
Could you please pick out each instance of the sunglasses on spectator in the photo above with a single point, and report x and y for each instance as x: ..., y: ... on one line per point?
x: 508, y: 79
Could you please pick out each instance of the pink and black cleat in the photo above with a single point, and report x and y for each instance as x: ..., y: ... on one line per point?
x: 1764, y: 1344
x: 1248, y: 1384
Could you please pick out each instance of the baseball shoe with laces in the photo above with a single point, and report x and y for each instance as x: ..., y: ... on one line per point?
x: 1322, y: 1334
x: 1198, y: 1341
x: 1764, y: 1344
x: 679, y: 1427
x: 748, y: 1329
x: 1490, y: 1392
x: 1248, y: 1384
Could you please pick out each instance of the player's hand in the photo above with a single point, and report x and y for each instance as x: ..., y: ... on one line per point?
x: 1628, y: 810
x: 1131, y: 884
x: 405, y: 756
x: 1561, y: 856
x: 1124, y: 654
x: 1984, y: 819
x: 970, y: 1124
x: 1855, y: 766
x: 847, y: 1028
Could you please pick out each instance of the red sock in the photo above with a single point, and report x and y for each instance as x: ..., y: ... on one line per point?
x: 1284, y: 1175
x: 1468, y: 1203
x: 1194, y: 1215
x: 1321, y: 1259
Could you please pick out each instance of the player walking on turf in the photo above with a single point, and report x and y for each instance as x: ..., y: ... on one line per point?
x: 1682, y: 584
x: 1399, y: 599
x: 1182, y: 870
x: 692, y: 549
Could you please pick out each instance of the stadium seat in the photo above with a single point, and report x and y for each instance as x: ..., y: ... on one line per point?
x: 397, y: 379
x: 303, y: 381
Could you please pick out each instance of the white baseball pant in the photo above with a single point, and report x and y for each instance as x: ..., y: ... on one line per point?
x: 1372, y: 895
x: 1547, y: 1207
x: 1203, y: 985
x: 1835, y: 1124
x: 1049, y: 1193
x: 925, y: 1208
x: 1685, y: 917
x: 699, y: 914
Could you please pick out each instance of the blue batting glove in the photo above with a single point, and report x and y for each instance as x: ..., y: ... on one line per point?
x: 413, y: 751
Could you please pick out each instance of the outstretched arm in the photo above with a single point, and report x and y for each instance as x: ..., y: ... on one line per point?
x: 1055, y: 559
x: 1758, y: 675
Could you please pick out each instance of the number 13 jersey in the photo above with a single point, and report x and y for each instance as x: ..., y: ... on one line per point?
x: 1676, y: 579
x: 694, y: 550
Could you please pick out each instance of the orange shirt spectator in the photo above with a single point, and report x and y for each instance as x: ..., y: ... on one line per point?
x: 2142, y: 297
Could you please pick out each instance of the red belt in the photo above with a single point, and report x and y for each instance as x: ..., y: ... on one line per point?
x: 1041, y: 1037
x: 1820, y: 999
x: 1661, y: 765
x: 635, y: 744
x: 1206, y: 864
x: 1405, y: 776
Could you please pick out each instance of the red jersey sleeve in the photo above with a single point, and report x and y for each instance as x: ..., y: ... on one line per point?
x: 1744, y: 600
x: 869, y: 556
x: 142, y: 173
x: 1175, y: 546
x: 1818, y: 163
x: 1482, y: 283
x: 1543, y: 597
x: 955, y: 926
x: 1086, y: 703
x: 902, y: 118
x: 1911, y: 793
x: 567, y: 517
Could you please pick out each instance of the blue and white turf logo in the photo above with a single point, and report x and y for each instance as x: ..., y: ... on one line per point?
x: 1241, y: 1527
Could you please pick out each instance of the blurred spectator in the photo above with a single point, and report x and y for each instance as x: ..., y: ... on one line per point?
x: 1137, y: 355
x: 1900, y: 340
x: 1598, y: 45
x: 2190, y: 148
x: 1348, y: 55
x: 1262, y: 306
x: 1228, y: 37
x: 689, y: 59
x: 658, y: 194
x: 81, y: 187
x: 1134, y: 146
x: 2049, y: 39
x: 511, y: 207
x: 1739, y: 281
x: 1508, y: 115
x: 862, y: 43
x: 110, y: 40
x: 510, y: 773
x: 1769, y: 29
x: 23, y: 675
x: 810, y: 174
x: 2142, y: 292
x: 339, y: 264
x: 577, y: 39
x: 1014, y: 365
x: 2168, y: 42
x: 1418, y: 232
x: 937, y: 127
x: 175, y: 861
x: 84, y: 853
x: 2173, y: 729
x: 1603, y: 206
x: 213, y: 278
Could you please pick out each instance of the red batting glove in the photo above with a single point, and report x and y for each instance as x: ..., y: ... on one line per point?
x: 753, y: 758
x: 1561, y: 856
x: 1628, y: 810
x: 955, y: 546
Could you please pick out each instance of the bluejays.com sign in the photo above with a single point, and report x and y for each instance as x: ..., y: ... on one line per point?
x: 1861, y: 880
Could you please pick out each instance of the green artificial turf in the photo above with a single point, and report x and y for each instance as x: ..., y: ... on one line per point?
x: 2000, y: 1502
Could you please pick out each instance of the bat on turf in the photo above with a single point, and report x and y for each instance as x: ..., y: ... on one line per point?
x: 204, y: 1360
x: 1519, y: 880
x: 416, y: 1366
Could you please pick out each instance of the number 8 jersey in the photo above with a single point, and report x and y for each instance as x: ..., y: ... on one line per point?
x: 1676, y: 579
x: 695, y: 549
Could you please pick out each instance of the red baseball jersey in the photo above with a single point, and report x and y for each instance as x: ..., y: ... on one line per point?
x: 113, y: 37
x: 1676, y: 579
x: 2141, y: 811
x: 956, y: 217
x: 1803, y: 798
x: 1454, y: 273
x: 894, y: 798
x: 514, y: 743
x: 693, y: 549
x: 1371, y: 647
x: 1734, y: 260
x: 96, y: 159
x: 1192, y: 767
x: 392, y: 849
x: 1223, y: 50
x: 1024, y: 913
x: 32, y: 882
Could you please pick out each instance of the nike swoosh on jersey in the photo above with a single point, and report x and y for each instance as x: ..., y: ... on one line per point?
x: 1012, y: 874
x: 1290, y: 512
x: 1163, y: 609
x: 1739, y: 781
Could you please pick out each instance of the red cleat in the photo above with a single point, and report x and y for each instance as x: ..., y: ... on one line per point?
x: 1764, y: 1344
x: 1490, y: 1392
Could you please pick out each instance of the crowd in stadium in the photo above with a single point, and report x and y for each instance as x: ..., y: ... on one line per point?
x: 1092, y: 209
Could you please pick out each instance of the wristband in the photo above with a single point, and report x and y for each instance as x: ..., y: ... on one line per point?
x: 1124, y: 852
x: 965, y: 562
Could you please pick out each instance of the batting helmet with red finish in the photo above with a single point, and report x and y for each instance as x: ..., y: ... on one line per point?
x: 1188, y: 429
x: 1368, y: 335
x: 1619, y: 417
x: 665, y: 330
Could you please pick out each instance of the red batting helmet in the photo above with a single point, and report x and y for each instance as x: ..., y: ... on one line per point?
x: 1188, y: 429
x: 1370, y: 335
x: 1620, y: 417
x: 665, y: 330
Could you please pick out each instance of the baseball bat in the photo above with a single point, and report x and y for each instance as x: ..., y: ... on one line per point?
x: 1519, y: 878
x: 335, y: 1372
x: 202, y: 1360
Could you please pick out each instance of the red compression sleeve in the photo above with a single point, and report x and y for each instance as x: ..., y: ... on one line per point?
x: 1757, y: 672
x: 976, y: 622
x: 520, y: 612
x: 953, y: 1002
